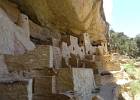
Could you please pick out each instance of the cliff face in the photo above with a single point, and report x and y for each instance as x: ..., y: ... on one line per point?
x: 74, y: 16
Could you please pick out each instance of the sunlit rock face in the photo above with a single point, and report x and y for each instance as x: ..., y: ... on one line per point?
x: 75, y: 16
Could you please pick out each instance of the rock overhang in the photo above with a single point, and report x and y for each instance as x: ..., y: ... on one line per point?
x: 75, y: 16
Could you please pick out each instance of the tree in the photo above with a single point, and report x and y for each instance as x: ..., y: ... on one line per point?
x: 122, y: 44
x: 138, y: 42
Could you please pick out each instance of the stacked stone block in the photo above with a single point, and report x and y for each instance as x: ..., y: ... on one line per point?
x: 15, y: 90
x: 77, y: 81
x: 45, y: 66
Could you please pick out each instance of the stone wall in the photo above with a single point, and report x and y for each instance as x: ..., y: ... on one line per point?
x: 65, y: 64
x: 16, y: 90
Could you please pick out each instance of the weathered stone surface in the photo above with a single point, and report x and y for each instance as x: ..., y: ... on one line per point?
x: 75, y: 16
x: 39, y: 59
x: 74, y: 47
x: 44, y: 85
x: 42, y: 33
x: 13, y: 38
x: 23, y: 22
x: 73, y: 61
x: 89, y: 49
x: 110, y: 64
x: 3, y: 66
x: 80, y: 80
x: 14, y: 91
x: 11, y: 9
x: 64, y: 80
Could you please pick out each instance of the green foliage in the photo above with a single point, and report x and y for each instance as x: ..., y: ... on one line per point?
x: 138, y: 42
x: 130, y: 69
x: 134, y: 72
x: 135, y: 87
x: 123, y: 44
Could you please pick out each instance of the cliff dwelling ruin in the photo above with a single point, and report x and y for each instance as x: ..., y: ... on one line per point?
x: 52, y: 49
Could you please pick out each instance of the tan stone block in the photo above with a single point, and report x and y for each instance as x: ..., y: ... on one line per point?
x: 17, y: 88
x: 44, y: 85
x: 64, y: 80
x: 40, y: 58
x: 75, y: 79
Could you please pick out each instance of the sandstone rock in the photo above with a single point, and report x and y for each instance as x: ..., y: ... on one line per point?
x: 80, y: 80
x: 13, y: 39
x: 14, y: 91
x: 110, y: 64
x: 3, y: 66
x: 44, y: 85
x: 11, y: 9
x: 24, y: 24
x: 43, y: 33
x: 68, y: 15
x: 39, y: 59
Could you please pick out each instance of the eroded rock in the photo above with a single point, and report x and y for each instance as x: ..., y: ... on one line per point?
x: 76, y: 16
x: 13, y: 39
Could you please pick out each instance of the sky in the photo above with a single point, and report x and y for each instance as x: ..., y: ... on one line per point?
x: 123, y: 16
